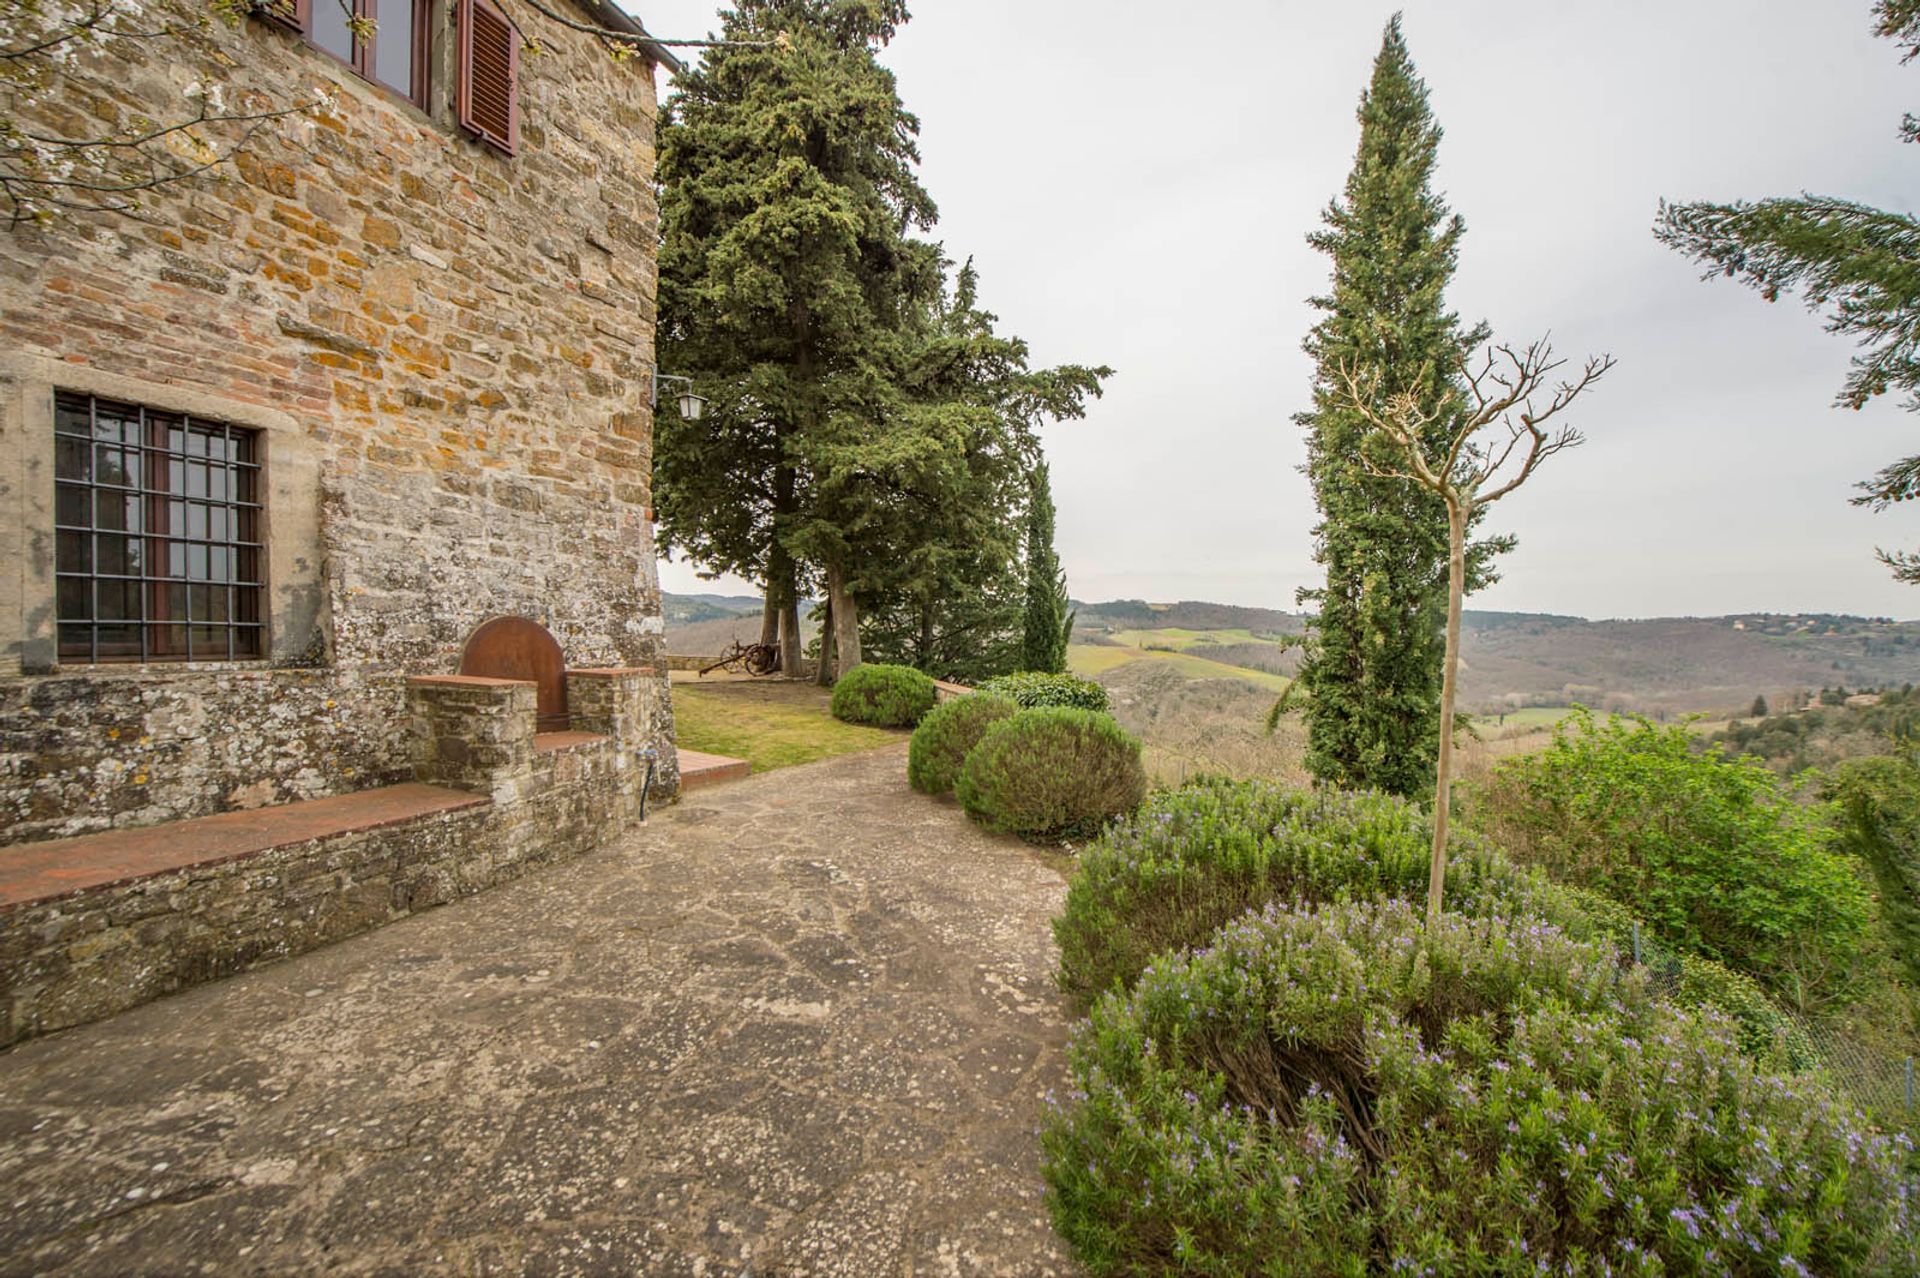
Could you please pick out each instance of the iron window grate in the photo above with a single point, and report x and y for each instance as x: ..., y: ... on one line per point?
x: 157, y: 523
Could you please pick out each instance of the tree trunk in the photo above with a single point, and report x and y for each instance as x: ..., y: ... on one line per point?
x: 1449, y: 681
x: 846, y: 619
x: 770, y: 617
x: 781, y: 574
x: 823, y: 673
x: 792, y: 658
x: 923, y: 645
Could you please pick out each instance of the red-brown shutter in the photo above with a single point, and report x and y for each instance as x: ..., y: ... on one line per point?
x: 489, y: 93
x: 291, y: 14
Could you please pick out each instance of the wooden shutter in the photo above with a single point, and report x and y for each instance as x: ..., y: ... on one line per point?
x: 489, y: 91
x: 291, y: 14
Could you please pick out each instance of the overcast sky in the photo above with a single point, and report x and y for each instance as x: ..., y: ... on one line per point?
x: 1135, y: 184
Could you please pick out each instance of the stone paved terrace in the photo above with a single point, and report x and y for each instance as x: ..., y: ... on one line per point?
x: 800, y: 1024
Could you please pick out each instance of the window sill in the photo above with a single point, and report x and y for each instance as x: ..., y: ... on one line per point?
x: 149, y: 669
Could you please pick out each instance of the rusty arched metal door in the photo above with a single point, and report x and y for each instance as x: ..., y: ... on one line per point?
x: 519, y: 648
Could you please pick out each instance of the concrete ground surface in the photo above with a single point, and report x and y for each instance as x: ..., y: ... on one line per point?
x: 801, y: 1024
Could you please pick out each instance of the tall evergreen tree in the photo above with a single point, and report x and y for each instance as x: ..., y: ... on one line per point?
x: 787, y: 267
x: 1372, y: 669
x: 944, y: 576
x: 1044, y: 644
x: 1860, y: 261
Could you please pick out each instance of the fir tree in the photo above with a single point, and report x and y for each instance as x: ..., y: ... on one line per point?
x: 1372, y: 670
x: 1862, y: 262
x: 945, y: 578
x: 1048, y: 623
x: 787, y: 273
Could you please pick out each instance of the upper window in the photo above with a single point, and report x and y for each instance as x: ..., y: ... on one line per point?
x: 394, y: 56
x: 157, y: 534
x: 486, y: 93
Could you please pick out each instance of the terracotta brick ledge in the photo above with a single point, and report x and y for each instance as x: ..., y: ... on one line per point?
x: 31, y: 873
x: 697, y: 769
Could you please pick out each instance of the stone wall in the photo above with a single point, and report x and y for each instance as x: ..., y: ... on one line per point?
x: 76, y: 957
x: 73, y: 960
x: 458, y: 342
x: 86, y: 752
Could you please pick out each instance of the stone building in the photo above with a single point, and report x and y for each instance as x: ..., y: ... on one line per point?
x: 283, y: 440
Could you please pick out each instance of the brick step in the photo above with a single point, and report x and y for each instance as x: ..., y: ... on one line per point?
x: 698, y: 769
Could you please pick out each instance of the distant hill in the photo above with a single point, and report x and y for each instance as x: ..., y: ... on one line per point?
x: 1510, y: 659
x: 1137, y: 614
x: 685, y: 610
x: 707, y: 625
x: 1668, y: 664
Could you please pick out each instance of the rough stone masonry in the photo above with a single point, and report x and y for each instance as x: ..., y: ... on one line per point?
x: 445, y: 352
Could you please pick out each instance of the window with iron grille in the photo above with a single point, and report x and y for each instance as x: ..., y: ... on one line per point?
x: 158, y: 525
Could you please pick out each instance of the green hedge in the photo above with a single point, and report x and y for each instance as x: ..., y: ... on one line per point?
x: 1033, y: 689
x: 1348, y: 1091
x: 1714, y: 853
x: 944, y: 738
x: 1052, y: 773
x: 885, y: 696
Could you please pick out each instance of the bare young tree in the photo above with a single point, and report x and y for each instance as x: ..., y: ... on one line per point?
x: 1507, y: 390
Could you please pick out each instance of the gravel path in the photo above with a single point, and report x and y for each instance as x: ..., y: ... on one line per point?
x: 796, y: 1025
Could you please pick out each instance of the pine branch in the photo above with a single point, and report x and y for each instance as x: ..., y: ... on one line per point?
x: 1900, y: 20
x: 1863, y: 262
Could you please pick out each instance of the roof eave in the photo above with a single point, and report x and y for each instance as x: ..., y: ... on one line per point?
x: 614, y: 18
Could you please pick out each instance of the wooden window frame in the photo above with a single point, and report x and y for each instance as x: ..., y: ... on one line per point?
x: 297, y: 16
x: 298, y: 617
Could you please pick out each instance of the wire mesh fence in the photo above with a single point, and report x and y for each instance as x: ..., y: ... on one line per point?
x: 1881, y: 1083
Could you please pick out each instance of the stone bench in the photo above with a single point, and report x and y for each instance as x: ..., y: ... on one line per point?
x: 99, y: 923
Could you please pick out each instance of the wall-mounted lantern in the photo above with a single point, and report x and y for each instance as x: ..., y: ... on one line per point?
x: 691, y: 406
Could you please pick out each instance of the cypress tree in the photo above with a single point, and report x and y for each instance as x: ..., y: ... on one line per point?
x: 946, y: 588
x: 1044, y: 643
x: 1372, y: 671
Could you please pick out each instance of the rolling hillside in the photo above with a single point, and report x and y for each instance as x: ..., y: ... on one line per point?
x: 1661, y: 666
x: 1511, y: 660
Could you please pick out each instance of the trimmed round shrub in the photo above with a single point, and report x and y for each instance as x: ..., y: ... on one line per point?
x: 1194, y: 859
x: 885, y: 696
x: 946, y: 735
x: 1052, y: 773
x: 1346, y: 1091
x: 1033, y: 689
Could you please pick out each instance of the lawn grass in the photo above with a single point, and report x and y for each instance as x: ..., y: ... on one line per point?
x: 769, y: 723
